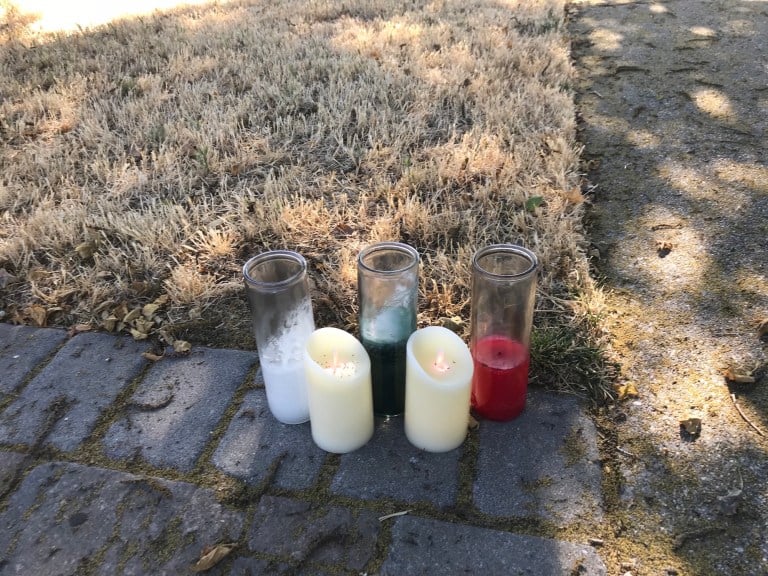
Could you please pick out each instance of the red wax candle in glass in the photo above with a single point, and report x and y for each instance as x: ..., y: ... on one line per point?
x: 501, y: 377
x: 503, y: 295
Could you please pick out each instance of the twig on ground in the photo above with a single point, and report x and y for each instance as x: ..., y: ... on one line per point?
x: 747, y: 420
x: 393, y: 515
x: 625, y: 452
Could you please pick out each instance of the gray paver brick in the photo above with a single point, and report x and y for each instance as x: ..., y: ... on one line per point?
x: 389, y: 466
x: 176, y: 408
x: 21, y: 349
x: 87, y: 374
x: 303, y: 532
x: 256, y: 567
x: 544, y: 463
x: 64, y: 514
x: 255, y: 440
x: 422, y: 546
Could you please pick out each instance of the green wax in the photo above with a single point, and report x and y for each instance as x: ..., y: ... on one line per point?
x: 384, y: 337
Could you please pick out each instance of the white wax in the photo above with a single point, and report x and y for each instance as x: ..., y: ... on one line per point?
x: 438, y: 377
x: 338, y: 373
x: 282, y: 366
x: 286, y: 391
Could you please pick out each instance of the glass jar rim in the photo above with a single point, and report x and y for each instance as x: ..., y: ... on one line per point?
x: 394, y: 246
x: 275, y: 255
x: 521, y: 251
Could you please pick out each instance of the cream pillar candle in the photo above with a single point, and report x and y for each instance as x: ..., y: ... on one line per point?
x: 338, y: 374
x: 438, y: 379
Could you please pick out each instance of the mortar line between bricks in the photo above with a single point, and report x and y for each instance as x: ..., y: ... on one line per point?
x: 203, y: 464
x: 31, y: 375
x: 93, y: 442
x: 59, y: 409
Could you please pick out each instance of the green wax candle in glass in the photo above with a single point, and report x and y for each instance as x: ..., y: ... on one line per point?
x: 388, y: 285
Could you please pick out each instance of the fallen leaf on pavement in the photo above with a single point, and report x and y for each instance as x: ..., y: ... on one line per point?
x: 691, y: 426
x: 211, y: 557
x: 151, y: 357
x: 473, y: 424
x: 739, y: 377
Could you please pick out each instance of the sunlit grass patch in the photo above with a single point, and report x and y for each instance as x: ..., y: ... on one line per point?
x: 152, y: 156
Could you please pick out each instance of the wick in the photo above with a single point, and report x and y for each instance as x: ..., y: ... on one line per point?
x: 440, y: 364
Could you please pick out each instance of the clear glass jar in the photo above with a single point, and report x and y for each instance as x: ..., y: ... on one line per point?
x: 281, y: 315
x: 503, y: 297
x: 388, y: 290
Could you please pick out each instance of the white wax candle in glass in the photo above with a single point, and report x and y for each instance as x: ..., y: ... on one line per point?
x: 338, y: 374
x: 437, y: 389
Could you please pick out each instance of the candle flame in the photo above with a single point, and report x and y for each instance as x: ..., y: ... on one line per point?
x: 440, y: 363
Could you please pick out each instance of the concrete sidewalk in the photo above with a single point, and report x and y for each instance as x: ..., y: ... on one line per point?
x: 112, y: 464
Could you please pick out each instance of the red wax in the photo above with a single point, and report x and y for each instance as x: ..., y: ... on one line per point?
x: 501, y: 377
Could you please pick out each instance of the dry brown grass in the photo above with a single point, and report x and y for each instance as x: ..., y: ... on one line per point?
x: 152, y: 156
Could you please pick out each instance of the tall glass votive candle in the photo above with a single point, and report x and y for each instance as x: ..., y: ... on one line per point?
x: 388, y: 288
x: 281, y: 316
x: 503, y: 297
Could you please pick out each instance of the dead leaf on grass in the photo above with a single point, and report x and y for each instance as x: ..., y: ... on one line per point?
x: 86, y: 249
x: 625, y: 391
x: 212, y: 556
x: 181, y: 346
x: 109, y: 323
x: 574, y: 195
x: 691, y: 426
x: 138, y: 335
x: 77, y: 328
x: 454, y: 323
x: 38, y: 314
x: 132, y: 315
x: 143, y: 325
x: 149, y: 310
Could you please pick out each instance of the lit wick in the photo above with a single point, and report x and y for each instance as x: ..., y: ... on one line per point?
x: 440, y: 363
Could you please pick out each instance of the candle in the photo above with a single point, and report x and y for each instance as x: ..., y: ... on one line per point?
x: 501, y: 377
x: 437, y: 389
x: 281, y: 316
x: 282, y: 369
x: 286, y: 391
x: 385, y: 337
x: 338, y: 375
x: 388, y: 290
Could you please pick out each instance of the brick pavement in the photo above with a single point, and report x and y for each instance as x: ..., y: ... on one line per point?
x: 111, y: 464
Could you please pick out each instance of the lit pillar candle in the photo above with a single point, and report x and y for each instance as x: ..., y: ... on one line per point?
x: 437, y: 389
x: 338, y: 374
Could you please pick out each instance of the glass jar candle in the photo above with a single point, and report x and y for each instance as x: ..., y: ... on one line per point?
x: 281, y: 315
x: 503, y: 297
x: 388, y: 289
